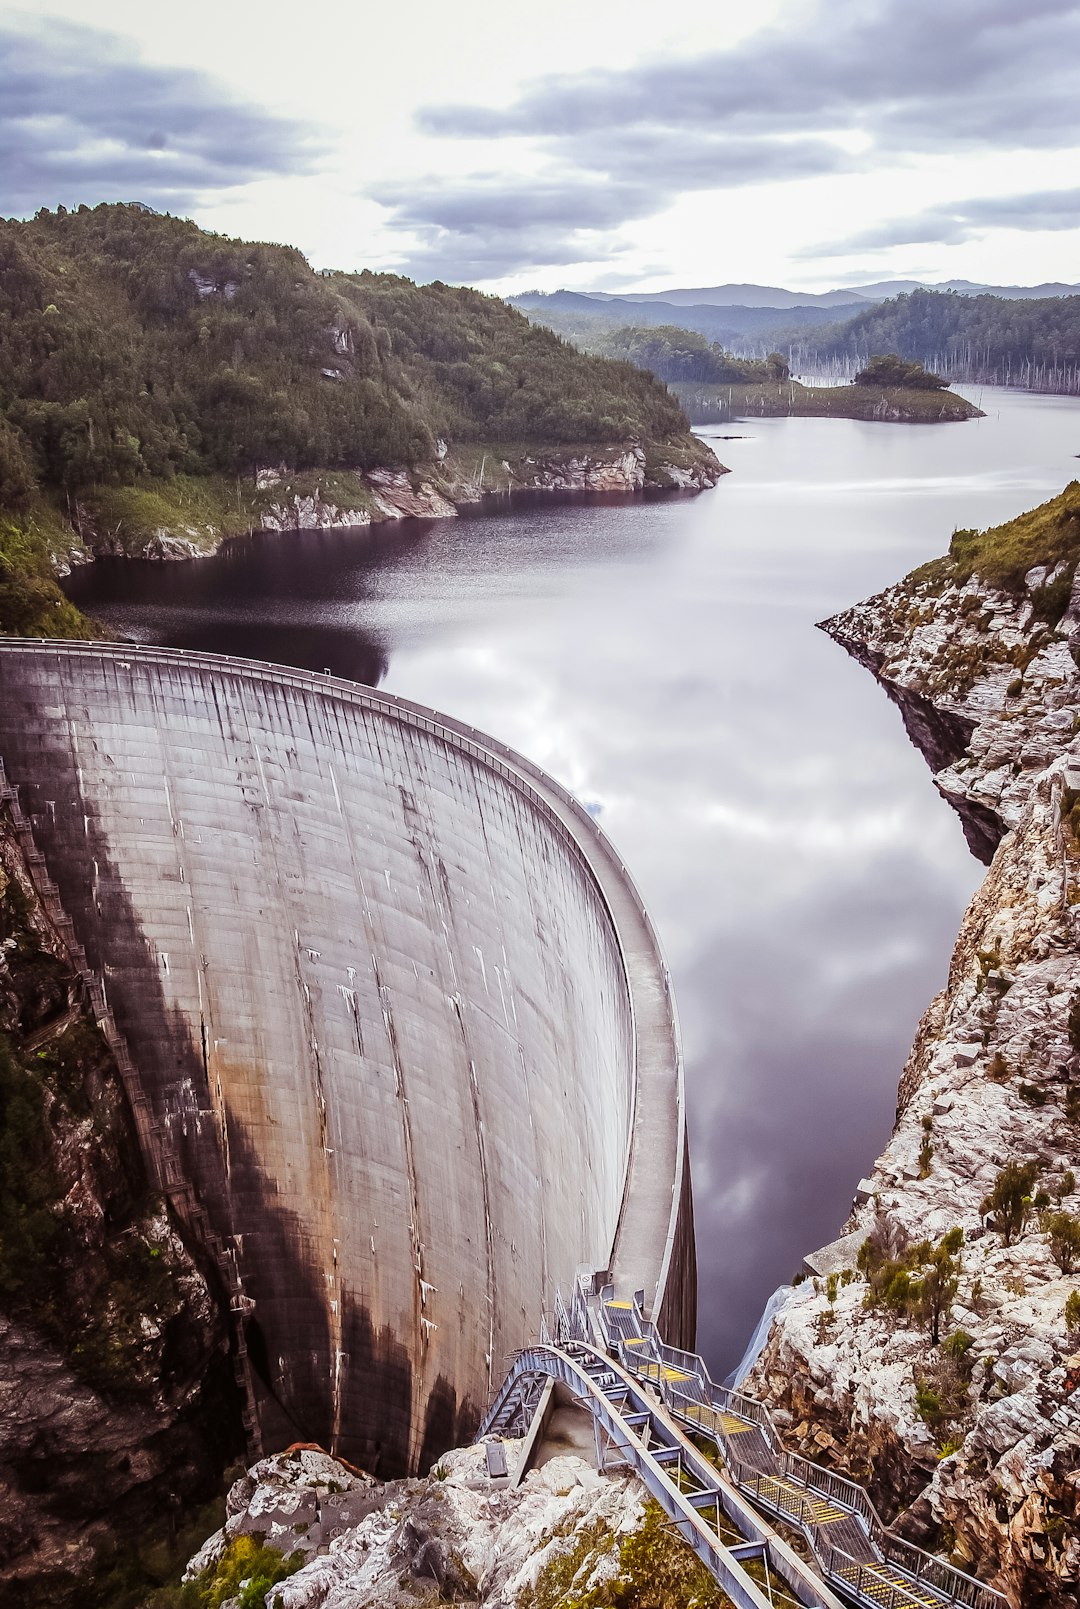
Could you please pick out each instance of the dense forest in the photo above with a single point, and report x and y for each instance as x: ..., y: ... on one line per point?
x: 1031, y: 344
x: 133, y: 344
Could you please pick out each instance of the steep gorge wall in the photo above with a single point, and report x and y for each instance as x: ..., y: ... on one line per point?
x: 381, y: 1012
x: 118, y: 1405
x: 976, y: 1443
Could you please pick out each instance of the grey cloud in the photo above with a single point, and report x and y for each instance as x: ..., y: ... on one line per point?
x: 958, y: 221
x: 683, y: 159
x: 489, y: 226
x: 492, y: 224
x: 83, y: 119
x: 910, y: 76
x: 491, y: 202
x: 977, y: 68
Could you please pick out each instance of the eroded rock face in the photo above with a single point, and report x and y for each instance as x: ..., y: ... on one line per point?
x: 440, y: 489
x: 117, y: 1399
x: 451, y: 1536
x: 277, y: 499
x: 993, y: 1078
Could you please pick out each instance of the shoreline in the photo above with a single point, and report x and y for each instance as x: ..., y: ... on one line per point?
x: 192, y: 517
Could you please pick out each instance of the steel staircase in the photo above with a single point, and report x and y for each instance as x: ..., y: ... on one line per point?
x: 713, y: 1459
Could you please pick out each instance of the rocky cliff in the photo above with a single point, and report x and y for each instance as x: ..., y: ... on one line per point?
x: 304, y: 1531
x: 117, y: 1401
x: 936, y: 1352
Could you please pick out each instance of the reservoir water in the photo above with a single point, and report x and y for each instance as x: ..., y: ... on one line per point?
x: 660, y: 658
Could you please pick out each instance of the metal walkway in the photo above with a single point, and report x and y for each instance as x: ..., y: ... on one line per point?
x: 645, y: 1396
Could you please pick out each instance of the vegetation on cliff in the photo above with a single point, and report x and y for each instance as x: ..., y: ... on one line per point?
x: 31, y: 603
x: 136, y: 345
x: 1004, y: 554
x: 788, y: 399
x: 147, y: 363
x: 59, y: 1093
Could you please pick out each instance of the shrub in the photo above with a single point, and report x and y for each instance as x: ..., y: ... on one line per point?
x: 1009, y: 1202
x: 1074, y: 1005
x: 1064, y: 1234
x: 921, y: 1283
x: 1072, y: 1311
x: 246, y: 1559
x: 889, y: 370
x: 926, y: 1149
x: 927, y: 1402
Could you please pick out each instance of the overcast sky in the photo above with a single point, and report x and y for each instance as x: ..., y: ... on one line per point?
x: 604, y: 144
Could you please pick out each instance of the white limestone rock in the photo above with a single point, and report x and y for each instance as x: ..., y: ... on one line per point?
x: 995, y: 1070
x: 453, y: 1535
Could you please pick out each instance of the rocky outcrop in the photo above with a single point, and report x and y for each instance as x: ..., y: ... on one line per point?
x: 207, y: 513
x: 973, y: 1433
x: 340, y: 1540
x: 438, y: 490
x: 117, y: 1400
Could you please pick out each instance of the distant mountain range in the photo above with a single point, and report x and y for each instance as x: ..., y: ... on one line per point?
x: 578, y: 316
x: 754, y: 318
x: 775, y: 296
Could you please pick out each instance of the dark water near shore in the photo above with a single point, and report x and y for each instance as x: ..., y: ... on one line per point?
x: 660, y: 659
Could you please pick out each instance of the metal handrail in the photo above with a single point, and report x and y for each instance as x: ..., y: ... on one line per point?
x: 663, y: 1459
x: 648, y: 1361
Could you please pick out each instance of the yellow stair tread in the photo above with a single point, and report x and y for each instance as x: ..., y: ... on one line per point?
x: 618, y: 1303
x: 668, y: 1372
x: 824, y: 1513
x: 887, y: 1583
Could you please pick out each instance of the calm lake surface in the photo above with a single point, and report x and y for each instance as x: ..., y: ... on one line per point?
x: 660, y: 658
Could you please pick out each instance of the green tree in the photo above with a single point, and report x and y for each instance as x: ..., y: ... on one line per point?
x: 937, y: 1285
x: 1064, y: 1234
x: 1009, y: 1202
x: 893, y: 372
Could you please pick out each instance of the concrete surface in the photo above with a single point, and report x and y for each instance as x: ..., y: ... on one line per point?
x: 394, y: 1005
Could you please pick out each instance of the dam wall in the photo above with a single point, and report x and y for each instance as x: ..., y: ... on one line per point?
x: 403, y: 1039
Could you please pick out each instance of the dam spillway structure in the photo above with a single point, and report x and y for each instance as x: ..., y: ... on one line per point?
x: 398, y: 1036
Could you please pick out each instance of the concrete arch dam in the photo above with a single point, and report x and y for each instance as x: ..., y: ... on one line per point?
x: 401, y: 1041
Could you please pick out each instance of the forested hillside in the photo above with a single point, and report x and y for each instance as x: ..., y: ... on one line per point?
x: 1035, y: 344
x: 675, y: 355
x: 134, y: 344
x: 146, y: 365
x: 749, y: 329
